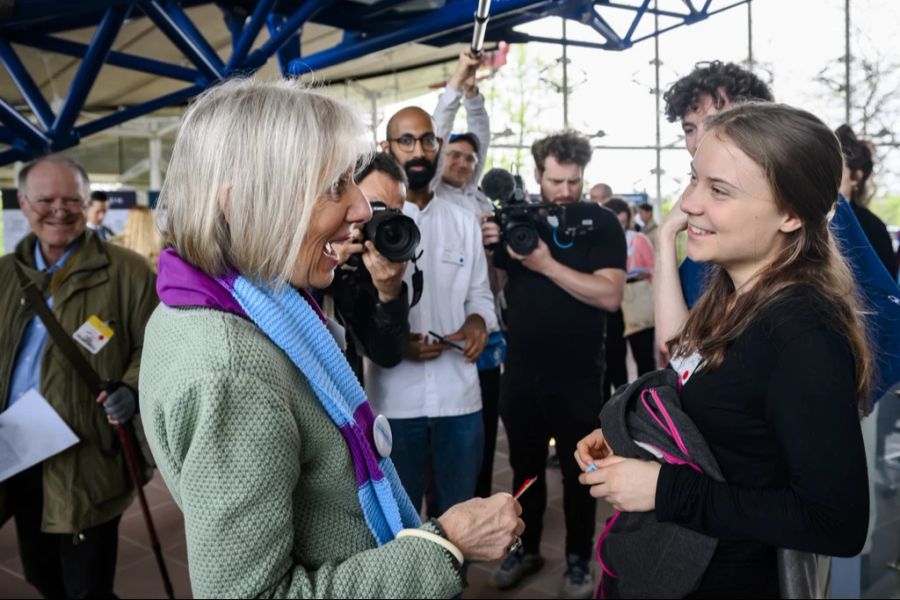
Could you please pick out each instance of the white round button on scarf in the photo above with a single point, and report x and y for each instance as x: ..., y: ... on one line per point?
x: 384, y: 440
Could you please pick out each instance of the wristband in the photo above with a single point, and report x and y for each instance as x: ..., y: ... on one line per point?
x: 433, y: 537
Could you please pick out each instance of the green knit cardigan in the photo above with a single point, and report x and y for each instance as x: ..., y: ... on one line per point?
x: 262, y: 475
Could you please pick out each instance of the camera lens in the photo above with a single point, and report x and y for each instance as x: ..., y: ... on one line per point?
x: 395, y: 235
x: 521, y: 237
x: 397, y: 238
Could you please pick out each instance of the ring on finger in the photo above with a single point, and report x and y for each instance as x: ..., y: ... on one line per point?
x: 514, y: 547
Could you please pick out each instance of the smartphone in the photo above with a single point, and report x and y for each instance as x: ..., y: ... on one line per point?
x: 443, y: 340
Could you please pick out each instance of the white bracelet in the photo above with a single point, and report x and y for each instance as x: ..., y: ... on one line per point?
x: 433, y: 537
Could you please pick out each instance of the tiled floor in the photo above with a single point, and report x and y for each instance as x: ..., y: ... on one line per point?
x: 138, y: 577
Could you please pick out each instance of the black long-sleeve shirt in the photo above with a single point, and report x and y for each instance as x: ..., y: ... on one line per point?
x: 378, y: 330
x: 780, y: 415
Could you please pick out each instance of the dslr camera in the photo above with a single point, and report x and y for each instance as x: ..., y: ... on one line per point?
x: 520, y: 220
x: 395, y: 235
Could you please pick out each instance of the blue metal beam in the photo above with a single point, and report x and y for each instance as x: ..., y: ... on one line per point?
x: 187, y: 26
x: 289, y: 28
x: 637, y: 19
x: 30, y: 134
x: 188, y: 46
x: 26, y: 85
x: 233, y: 21
x: 445, y: 19
x: 12, y: 155
x: 700, y: 16
x: 116, y: 59
x: 251, y: 30
x: 658, y: 11
x: 138, y: 110
x: 90, y: 66
x: 290, y: 50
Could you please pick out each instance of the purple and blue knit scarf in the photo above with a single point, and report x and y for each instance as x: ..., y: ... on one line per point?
x: 293, y: 321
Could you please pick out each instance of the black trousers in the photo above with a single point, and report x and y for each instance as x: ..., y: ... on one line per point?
x: 534, y: 410
x: 490, y: 412
x: 81, y: 565
x: 642, y: 348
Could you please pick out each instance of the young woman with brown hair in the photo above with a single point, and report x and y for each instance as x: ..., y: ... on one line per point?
x: 773, y: 358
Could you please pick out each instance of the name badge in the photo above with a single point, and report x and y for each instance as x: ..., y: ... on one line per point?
x: 454, y: 257
x: 94, y: 334
x: 686, y: 366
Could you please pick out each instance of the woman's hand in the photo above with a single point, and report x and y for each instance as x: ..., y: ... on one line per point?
x: 484, y: 528
x: 674, y: 223
x: 592, y: 448
x: 628, y: 484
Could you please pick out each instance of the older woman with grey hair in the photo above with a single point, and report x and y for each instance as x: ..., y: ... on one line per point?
x: 259, y: 427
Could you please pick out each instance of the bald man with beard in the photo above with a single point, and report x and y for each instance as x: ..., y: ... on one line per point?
x: 434, y: 392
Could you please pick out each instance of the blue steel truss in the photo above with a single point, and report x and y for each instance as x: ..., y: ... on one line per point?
x: 35, y: 130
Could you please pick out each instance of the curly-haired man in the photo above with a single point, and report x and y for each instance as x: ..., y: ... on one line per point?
x: 710, y: 88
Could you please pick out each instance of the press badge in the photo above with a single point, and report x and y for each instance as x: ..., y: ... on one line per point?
x: 454, y: 257
x: 94, y: 334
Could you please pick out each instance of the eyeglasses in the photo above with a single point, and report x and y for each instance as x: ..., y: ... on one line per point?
x: 407, y: 142
x: 470, y: 159
x: 44, y: 206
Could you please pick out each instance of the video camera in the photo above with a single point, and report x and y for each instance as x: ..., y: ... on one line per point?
x: 519, y: 219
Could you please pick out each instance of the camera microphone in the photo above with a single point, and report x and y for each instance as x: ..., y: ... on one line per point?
x: 498, y: 185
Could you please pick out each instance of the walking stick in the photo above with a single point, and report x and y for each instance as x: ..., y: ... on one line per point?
x: 96, y: 385
x: 126, y: 437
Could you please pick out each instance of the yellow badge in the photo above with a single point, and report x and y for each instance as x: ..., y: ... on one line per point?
x: 94, y: 334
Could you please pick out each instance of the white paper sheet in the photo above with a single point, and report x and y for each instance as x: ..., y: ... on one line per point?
x: 30, y: 432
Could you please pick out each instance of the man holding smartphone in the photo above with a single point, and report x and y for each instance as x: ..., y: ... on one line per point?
x: 434, y: 393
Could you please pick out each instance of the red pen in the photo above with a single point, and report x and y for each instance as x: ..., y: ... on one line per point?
x: 528, y: 483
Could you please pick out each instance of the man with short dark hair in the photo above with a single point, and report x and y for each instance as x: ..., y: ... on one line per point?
x: 434, y: 392
x: 67, y: 508
x: 98, y: 206
x: 558, y: 297
x: 709, y: 89
x: 649, y: 227
x: 370, y: 296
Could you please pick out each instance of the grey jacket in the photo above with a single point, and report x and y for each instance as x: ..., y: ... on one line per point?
x: 649, y: 557
x: 664, y: 560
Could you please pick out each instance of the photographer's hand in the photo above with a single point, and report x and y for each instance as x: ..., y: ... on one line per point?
x: 490, y: 231
x: 352, y: 246
x: 539, y: 261
x: 419, y: 350
x: 387, y: 276
x: 474, y: 332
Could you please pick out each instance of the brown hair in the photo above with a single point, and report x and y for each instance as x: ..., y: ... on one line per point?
x: 858, y: 154
x: 801, y: 159
x: 566, y: 147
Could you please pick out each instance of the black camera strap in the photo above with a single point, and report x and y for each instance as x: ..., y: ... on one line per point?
x: 418, y: 281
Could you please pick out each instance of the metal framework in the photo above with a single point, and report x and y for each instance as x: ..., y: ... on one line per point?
x: 35, y: 129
